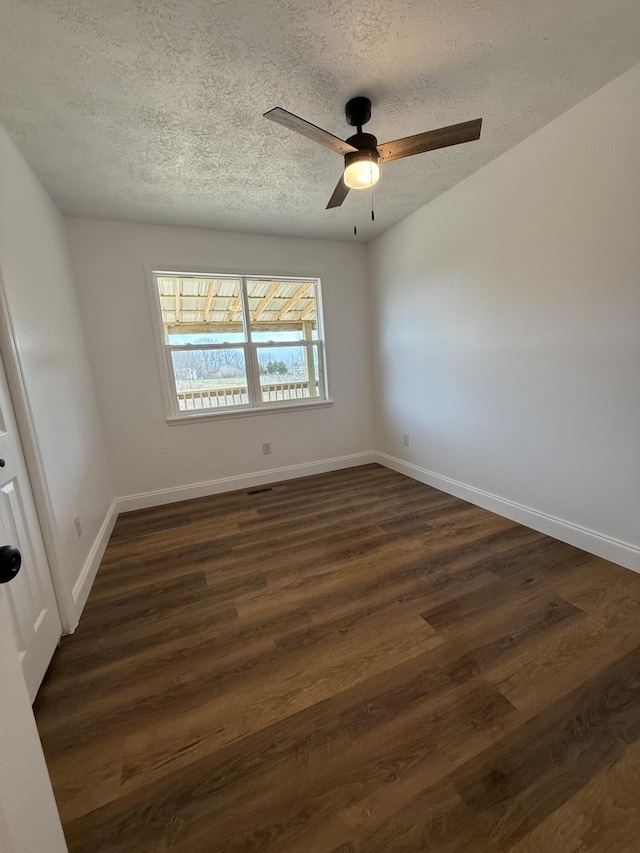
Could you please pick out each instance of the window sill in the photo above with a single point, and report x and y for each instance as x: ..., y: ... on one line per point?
x: 174, y: 420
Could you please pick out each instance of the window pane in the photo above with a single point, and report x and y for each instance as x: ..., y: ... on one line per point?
x: 288, y: 373
x: 210, y: 379
x: 198, y: 310
x: 282, y: 310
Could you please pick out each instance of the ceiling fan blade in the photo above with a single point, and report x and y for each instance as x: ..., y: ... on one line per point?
x: 339, y: 194
x: 317, y: 134
x: 467, y: 131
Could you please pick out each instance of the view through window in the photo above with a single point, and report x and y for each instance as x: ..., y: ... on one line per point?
x: 239, y: 341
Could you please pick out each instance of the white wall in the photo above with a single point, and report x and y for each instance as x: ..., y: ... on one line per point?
x: 507, y: 325
x: 43, y: 304
x: 146, y: 453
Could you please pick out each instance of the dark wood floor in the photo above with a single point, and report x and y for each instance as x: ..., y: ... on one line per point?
x: 349, y: 662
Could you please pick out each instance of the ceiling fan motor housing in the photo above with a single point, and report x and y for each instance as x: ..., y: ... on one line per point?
x: 366, y: 144
x: 363, y: 141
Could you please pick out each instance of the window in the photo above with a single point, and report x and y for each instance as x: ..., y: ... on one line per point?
x: 231, y: 342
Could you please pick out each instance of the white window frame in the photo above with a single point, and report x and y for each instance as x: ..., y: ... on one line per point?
x: 255, y: 404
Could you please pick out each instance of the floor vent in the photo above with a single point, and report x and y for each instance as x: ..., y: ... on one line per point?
x: 259, y: 491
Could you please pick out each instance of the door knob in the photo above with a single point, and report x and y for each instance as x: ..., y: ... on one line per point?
x: 10, y: 562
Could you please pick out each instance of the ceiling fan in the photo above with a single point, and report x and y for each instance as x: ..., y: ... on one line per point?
x: 362, y: 154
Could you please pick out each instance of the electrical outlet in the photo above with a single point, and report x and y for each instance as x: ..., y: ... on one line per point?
x: 77, y: 525
x: 266, y: 447
x: 405, y: 439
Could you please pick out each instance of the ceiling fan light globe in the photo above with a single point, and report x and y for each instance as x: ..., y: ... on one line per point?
x: 361, y: 174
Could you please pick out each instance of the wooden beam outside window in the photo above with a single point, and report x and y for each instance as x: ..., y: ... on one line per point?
x: 207, y: 305
x: 265, y: 301
x: 309, y: 310
x: 176, y: 293
x: 300, y: 292
x: 235, y: 307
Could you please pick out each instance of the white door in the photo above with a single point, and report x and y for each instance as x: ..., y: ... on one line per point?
x: 30, y: 597
x: 29, y: 820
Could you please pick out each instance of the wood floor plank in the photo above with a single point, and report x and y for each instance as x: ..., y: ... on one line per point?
x: 543, y: 670
x: 259, y: 701
x: 189, y: 797
x: 602, y: 817
x: 525, y: 777
x: 83, y: 785
x: 364, y: 785
x: 538, y: 564
x: 353, y: 662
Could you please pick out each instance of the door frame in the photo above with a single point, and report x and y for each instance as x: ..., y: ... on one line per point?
x: 28, y: 436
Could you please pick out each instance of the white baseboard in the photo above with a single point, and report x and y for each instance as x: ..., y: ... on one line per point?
x: 82, y: 586
x: 243, y: 481
x: 623, y: 553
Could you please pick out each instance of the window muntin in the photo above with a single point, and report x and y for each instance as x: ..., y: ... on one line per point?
x: 239, y: 342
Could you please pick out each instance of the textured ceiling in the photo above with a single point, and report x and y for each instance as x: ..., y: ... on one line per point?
x: 151, y: 110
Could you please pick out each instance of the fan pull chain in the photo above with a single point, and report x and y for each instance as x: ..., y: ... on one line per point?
x: 373, y: 216
x: 353, y: 208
